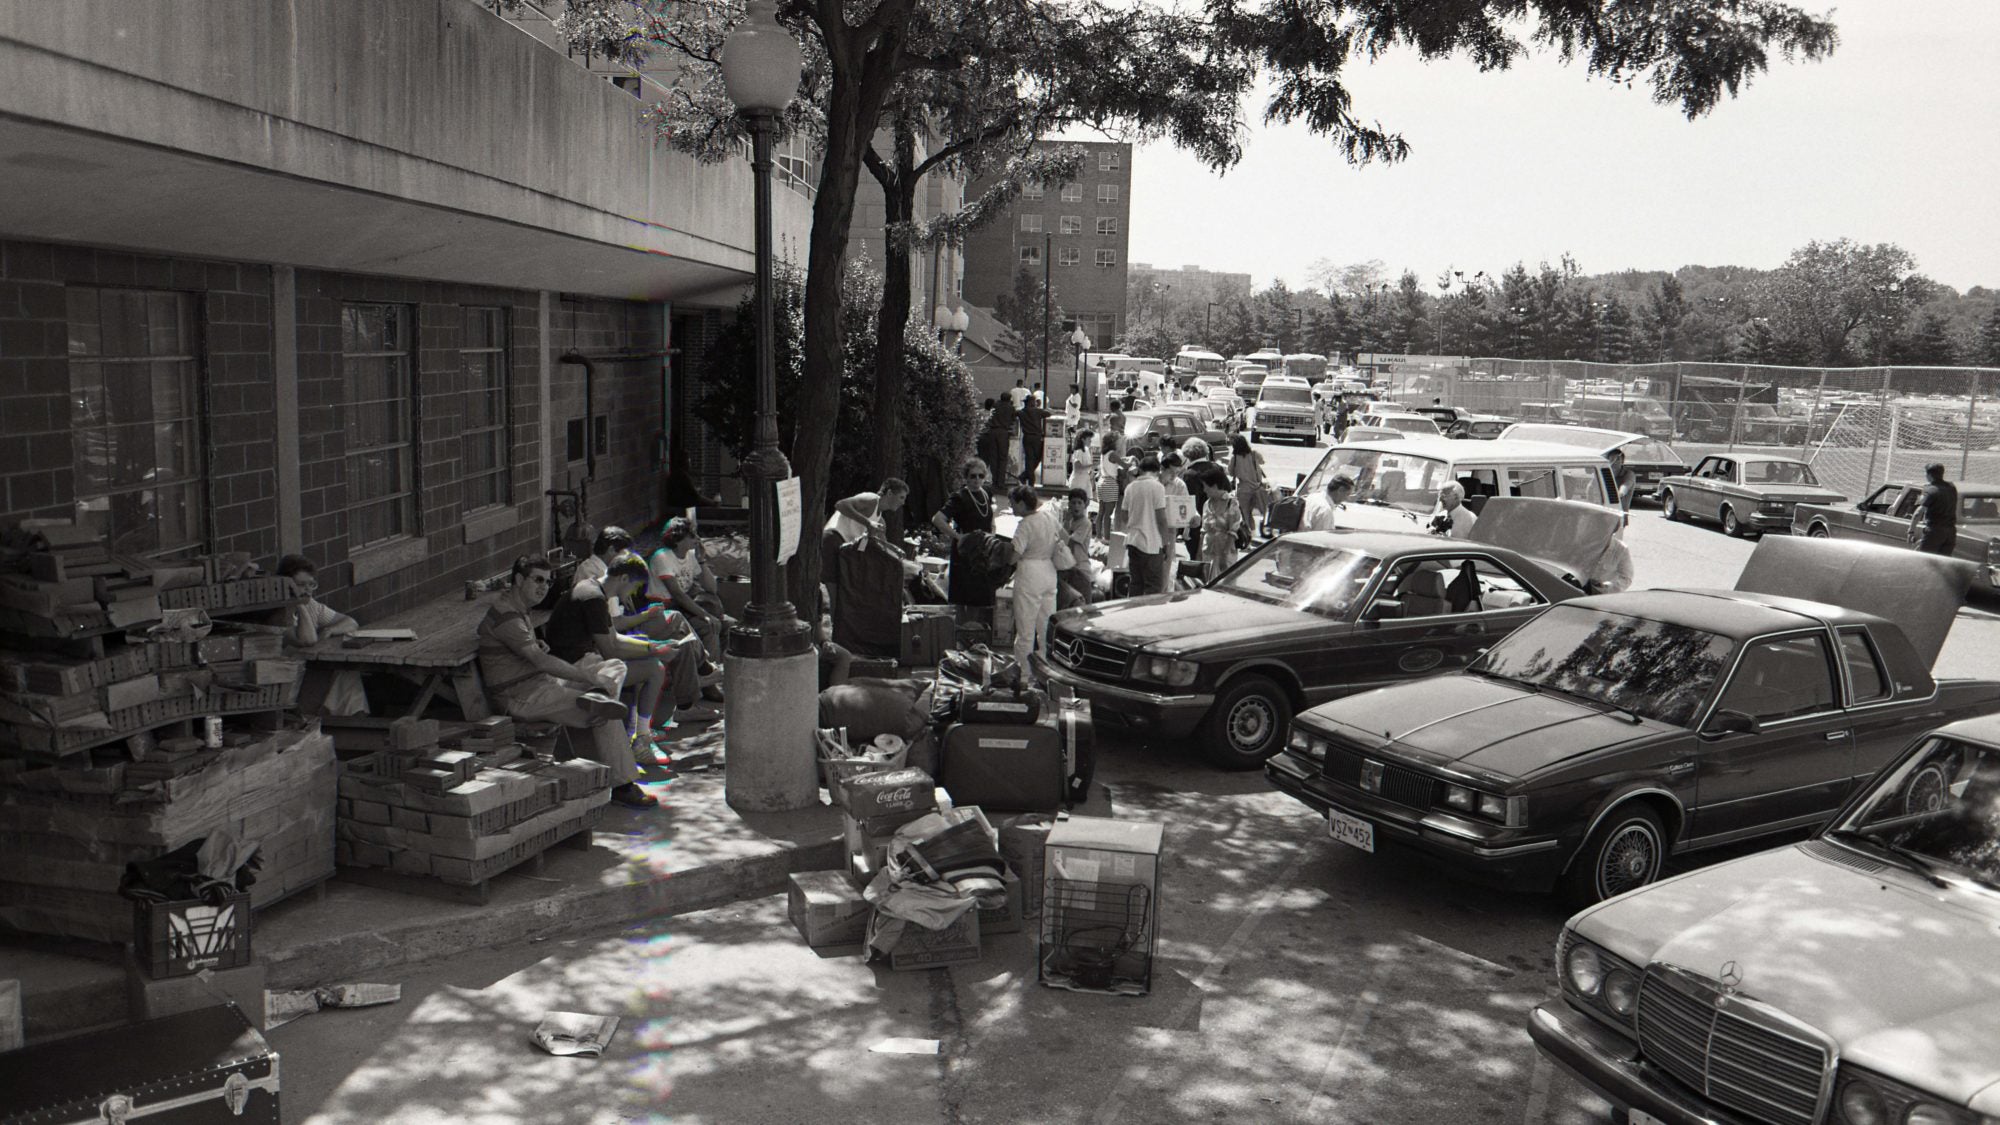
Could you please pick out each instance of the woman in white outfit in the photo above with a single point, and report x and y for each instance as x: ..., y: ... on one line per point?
x: 1038, y: 541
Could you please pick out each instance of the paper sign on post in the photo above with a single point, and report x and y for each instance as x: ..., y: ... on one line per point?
x: 1055, y: 452
x: 790, y: 505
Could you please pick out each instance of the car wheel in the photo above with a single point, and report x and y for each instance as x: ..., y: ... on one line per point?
x: 1730, y: 526
x: 1668, y: 507
x: 1626, y: 852
x: 1255, y: 437
x: 1247, y: 724
x: 1818, y: 531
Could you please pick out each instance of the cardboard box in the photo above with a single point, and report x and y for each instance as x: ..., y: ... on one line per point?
x: 1004, y: 919
x: 1100, y: 905
x: 919, y: 948
x: 150, y: 999
x: 828, y: 911
x: 1023, y: 844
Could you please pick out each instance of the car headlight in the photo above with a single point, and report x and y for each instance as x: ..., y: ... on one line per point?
x: 1867, y: 1098
x: 1458, y: 797
x: 1597, y: 981
x: 1307, y: 745
x: 1621, y: 991
x: 1491, y: 806
x: 1165, y: 669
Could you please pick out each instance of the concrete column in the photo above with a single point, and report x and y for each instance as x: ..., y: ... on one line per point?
x: 545, y: 386
x: 285, y: 374
x: 770, y: 710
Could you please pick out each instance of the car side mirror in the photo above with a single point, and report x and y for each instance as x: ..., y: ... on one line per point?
x: 1383, y: 609
x: 1732, y: 722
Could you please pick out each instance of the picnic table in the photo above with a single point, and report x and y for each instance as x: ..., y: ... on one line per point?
x: 441, y: 658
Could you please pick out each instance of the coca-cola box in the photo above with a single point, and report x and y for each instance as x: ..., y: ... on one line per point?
x: 890, y: 792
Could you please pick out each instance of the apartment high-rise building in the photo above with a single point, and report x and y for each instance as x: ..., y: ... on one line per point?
x: 1077, y: 235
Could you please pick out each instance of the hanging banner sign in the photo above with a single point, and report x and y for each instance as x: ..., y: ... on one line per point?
x: 790, y: 507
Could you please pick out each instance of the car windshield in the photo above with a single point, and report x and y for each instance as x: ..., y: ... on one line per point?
x: 1383, y: 476
x: 1651, y: 668
x: 1410, y: 424
x: 1297, y: 396
x: 1778, y: 472
x: 1941, y: 806
x: 1324, y: 580
x: 1651, y: 451
x: 1978, y: 509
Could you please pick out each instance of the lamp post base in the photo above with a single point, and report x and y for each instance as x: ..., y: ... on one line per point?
x: 771, y: 708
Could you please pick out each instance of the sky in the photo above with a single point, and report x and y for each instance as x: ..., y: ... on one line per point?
x: 1895, y: 138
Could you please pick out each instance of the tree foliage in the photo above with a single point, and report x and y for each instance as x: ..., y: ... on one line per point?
x: 1032, y: 316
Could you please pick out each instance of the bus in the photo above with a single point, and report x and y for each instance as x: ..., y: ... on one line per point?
x: 1309, y: 366
x: 1192, y: 362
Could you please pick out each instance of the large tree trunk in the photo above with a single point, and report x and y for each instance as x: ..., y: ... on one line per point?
x: 900, y: 200
x: 854, y: 104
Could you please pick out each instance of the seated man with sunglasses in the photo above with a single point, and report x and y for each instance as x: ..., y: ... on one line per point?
x: 530, y: 683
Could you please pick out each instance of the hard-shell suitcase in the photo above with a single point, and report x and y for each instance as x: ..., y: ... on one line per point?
x: 1079, y: 739
x: 204, y: 1065
x: 1014, y: 767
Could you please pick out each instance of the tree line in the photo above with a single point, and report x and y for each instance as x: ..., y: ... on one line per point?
x: 1835, y: 304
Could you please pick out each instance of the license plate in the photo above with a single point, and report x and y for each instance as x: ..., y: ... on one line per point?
x: 1350, y: 830
x: 1641, y: 1117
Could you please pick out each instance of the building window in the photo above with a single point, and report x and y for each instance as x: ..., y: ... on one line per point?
x: 487, y: 467
x: 1072, y: 193
x: 1106, y: 162
x: 1107, y: 257
x: 1107, y: 225
x: 1031, y: 223
x: 1107, y: 193
x: 381, y: 404
x: 1098, y: 326
x: 1033, y: 191
x: 1069, y: 256
x: 1072, y: 224
x: 134, y: 418
x: 1031, y: 255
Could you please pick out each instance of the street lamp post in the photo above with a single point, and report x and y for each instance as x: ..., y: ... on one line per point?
x: 771, y: 669
x: 1207, y: 321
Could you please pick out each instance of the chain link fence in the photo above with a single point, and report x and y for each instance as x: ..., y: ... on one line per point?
x: 1859, y: 427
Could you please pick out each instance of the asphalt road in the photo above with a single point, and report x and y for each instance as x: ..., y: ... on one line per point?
x: 1297, y: 980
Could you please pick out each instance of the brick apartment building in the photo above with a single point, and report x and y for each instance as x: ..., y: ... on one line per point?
x: 367, y: 292
x: 1085, y: 230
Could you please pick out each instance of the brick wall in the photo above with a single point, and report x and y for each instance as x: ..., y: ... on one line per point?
x: 239, y: 432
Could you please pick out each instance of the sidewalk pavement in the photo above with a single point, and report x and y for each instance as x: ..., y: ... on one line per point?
x: 691, y: 853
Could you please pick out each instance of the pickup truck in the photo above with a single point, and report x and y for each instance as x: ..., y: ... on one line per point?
x: 1884, y: 517
x: 1588, y: 746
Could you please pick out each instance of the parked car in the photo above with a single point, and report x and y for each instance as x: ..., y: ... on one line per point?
x: 1636, y: 414
x: 1884, y: 517
x: 1305, y: 618
x: 1747, y: 495
x: 1249, y: 380
x: 1650, y: 459
x: 1614, y: 731
x: 1228, y: 409
x: 1751, y: 423
x: 1372, y: 433
x: 1201, y: 416
x: 1845, y: 979
x: 1157, y: 429
x: 1284, y: 410
x: 1479, y: 427
x: 1415, y: 425
x: 1444, y: 416
x: 1545, y: 412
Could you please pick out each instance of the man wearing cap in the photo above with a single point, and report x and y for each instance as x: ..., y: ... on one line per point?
x: 1934, y: 525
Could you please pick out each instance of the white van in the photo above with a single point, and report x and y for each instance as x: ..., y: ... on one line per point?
x: 1396, y: 482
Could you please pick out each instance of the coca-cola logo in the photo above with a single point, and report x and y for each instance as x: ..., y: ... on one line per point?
x: 891, y: 796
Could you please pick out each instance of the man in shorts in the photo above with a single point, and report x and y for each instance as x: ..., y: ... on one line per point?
x: 530, y: 683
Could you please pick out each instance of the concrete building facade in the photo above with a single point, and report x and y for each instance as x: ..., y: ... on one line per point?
x: 1079, y: 233
x: 361, y: 279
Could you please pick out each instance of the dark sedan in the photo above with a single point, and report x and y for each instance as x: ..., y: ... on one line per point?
x: 1614, y: 731
x: 1303, y: 619
x: 1884, y: 517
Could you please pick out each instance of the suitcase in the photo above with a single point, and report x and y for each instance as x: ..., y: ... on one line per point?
x: 1079, y: 742
x: 999, y: 706
x: 1013, y: 767
x: 927, y: 637
x: 204, y: 1065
